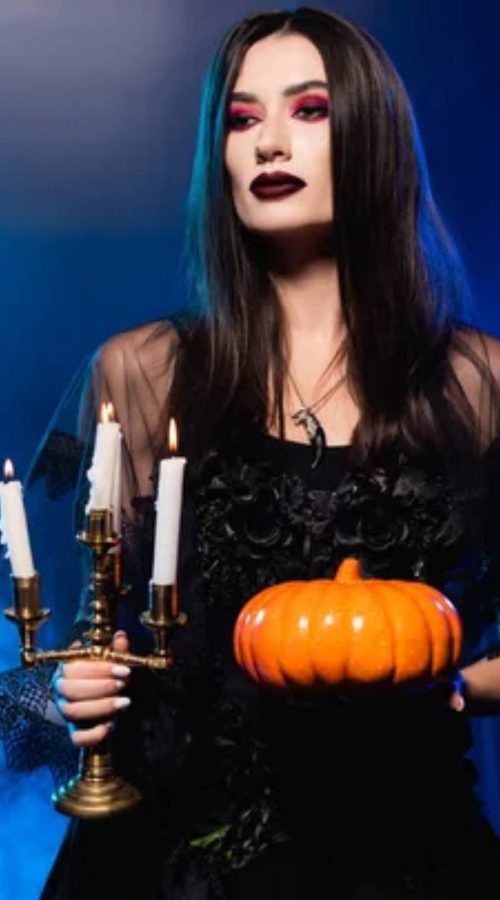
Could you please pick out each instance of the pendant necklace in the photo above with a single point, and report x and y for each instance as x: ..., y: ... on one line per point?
x: 306, y: 416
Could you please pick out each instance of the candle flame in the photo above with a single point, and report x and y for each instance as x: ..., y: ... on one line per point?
x: 8, y: 469
x: 173, y: 439
x: 107, y: 412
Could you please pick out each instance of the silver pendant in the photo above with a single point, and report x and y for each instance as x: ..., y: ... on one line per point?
x: 314, y: 431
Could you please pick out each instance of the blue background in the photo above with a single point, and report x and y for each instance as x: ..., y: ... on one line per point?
x: 98, y: 111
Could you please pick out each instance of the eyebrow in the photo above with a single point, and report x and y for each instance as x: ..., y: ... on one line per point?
x: 291, y: 91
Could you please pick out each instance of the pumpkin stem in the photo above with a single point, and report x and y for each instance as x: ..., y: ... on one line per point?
x: 349, y: 570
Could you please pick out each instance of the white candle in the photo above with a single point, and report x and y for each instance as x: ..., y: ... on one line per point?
x: 104, y: 461
x: 117, y: 489
x: 168, y: 516
x: 14, y: 526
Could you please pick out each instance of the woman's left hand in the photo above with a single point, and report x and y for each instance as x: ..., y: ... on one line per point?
x: 457, y: 695
x: 480, y: 685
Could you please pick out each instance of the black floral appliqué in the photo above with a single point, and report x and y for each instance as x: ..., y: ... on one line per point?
x: 394, y: 521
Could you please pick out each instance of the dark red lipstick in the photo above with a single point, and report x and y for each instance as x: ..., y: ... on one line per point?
x: 276, y: 184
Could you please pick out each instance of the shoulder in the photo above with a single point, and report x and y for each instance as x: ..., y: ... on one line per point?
x: 474, y: 384
x: 137, y: 369
x: 146, y: 347
x: 475, y: 356
x: 134, y: 371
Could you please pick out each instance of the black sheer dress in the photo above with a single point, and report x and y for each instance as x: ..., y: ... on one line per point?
x: 254, y: 794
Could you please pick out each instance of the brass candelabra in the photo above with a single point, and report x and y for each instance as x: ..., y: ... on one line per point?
x: 96, y: 792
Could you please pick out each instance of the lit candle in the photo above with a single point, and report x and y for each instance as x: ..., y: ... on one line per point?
x: 104, y: 461
x: 14, y: 526
x: 168, y: 514
x: 117, y: 489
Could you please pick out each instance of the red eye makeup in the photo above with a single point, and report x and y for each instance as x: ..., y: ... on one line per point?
x: 312, y: 103
x: 312, y: 107
x: 238, y: 115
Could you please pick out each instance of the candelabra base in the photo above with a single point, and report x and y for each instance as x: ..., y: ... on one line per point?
x: 95, y: 793
x: 90, y: 801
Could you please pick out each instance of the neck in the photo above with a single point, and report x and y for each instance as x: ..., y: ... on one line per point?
x: 307, y: 284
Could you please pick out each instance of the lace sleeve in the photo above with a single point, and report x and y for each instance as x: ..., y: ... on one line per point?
x: 475, y: 395
x: 134, y: 371
x: 489, y: 593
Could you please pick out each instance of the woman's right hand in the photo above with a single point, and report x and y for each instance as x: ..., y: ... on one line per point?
x: 86, y: 690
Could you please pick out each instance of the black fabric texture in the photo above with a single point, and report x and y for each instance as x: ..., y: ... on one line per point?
x: 249, y: 792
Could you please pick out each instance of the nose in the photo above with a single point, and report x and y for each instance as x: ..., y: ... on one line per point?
x: 272, y: 141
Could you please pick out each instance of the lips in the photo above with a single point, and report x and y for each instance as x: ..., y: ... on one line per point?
x: 276, y: 184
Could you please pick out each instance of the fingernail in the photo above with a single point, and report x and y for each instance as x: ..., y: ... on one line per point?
x: 119, y: 684
x: 122, y: 702
x: 120, y: 634
x: 120, y: 671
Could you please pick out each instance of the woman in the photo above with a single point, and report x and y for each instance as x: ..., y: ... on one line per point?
x: 329, y: 404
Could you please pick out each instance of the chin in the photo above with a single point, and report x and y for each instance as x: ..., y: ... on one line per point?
x: 285, y: 217
x: 303, y: 231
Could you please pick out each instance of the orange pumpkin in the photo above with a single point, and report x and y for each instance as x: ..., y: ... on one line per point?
x: 348, y: 630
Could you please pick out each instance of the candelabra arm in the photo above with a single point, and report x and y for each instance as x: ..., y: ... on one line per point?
x: 97, y: 654
x: 162, y: 615
x: 95, y: 792
x: 27, y: 615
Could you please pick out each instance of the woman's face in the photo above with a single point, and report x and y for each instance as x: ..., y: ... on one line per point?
x: 278, y: 121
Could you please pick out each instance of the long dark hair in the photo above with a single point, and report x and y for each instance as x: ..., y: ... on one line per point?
x: 401, y: 280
